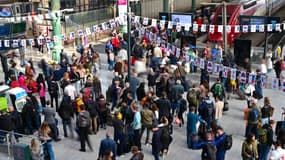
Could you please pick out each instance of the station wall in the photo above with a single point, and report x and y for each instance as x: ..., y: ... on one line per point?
x: 151, y: 8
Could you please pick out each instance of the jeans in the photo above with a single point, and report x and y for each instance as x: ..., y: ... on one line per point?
x: 54, y: 98
x: 147, y: 127
x: 191, y: 138
x: 111, y: 65
x: 43, y: 101
x: 48, y: 147
x: 263, y: 151
x: 156, y: 156
x: 67, y: 122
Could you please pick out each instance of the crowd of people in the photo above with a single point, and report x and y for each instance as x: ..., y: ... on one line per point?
x: 153, y: 99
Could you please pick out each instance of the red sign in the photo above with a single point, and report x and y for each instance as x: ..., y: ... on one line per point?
x: 122, y: 2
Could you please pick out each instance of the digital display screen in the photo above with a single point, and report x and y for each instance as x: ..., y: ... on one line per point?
x: 182, y: 18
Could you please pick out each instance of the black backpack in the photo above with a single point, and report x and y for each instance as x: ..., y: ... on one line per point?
x: 228, y: 142
x: 209, y: 151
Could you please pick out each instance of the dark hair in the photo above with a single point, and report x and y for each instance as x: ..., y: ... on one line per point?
x: 249, y: 137
x: 40, y: 79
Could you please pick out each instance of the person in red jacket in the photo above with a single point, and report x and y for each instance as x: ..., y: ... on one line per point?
x: 115, y: 42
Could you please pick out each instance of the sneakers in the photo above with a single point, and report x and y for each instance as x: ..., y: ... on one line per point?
x: 82, y: 150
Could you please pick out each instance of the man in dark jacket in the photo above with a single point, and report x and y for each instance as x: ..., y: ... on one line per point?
x: 53, y: 90
x: 220, y: 143
x: 264, y: 147
x: 83, y: 124
x: 119, y: 136
x: 156, y: 142
x: 28, y: 114
x: 91, y: 107
x: 164, y: 106
x: 66, y: 113
x: 6, y: 125
x: 49, y: 114
x: 107, y: 145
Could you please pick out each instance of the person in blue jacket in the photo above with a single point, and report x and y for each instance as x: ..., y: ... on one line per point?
x: 220, y: 143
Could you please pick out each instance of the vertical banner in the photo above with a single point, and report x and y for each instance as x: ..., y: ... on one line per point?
x: 245, y: 28
x: 178, y: 50
x: 187, y: 27
x: 154, y: 22
x: 220, y: 28
x: 203, y: 28
x: 195, y: 27
x: 216, y: 69
x: 32, y: 42
x: 243, y: 77
x: 233, y: 74
x: 71, y: 35
x: 6, y: 43
x: 278, y: 27
x: 261, y: 28
x: 162, y: 24
x: 228, y: 28
x: 263, y: 81
x: 212, y: 29
x: 0, y: 43
x: 55, y: 39
x: 88, y: 31
x: 15, y: 43
x: 137, y: 19
x: 225, y: 72
x: 251, y: 78
x: 178, y: 26
x: 269, y: 27
x: 170, y: 25
x: 237, y: 28
x: 283, y: 85
x: 122, y: 8
x: 274, y: 83
x: 145, y: 21
x: 80, y: 33
x: 202, y: 63
x: 196, y: 61
x: 23, y: 43
x: 253, y: 28
x: 210, y: 66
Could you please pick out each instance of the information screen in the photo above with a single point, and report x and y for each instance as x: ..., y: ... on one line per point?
x: 182, y: 18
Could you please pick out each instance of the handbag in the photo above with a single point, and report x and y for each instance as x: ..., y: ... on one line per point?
x: 226, y: 106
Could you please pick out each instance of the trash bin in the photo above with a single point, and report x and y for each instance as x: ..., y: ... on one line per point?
x: 21, y: 151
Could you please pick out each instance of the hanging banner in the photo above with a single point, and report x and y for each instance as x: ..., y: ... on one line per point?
x: 137, y: 19
x: 220, y: 28
x: 269, y: 27
x: 162, y: 24
x: 216, y: 69
x: 202, y: 63
x: 170, y: 25
x: 154, y: 22
x: 15, y: 43
x: 195, y: 27
x: 245, y: 28
x: 274, y: 83
x: 88, y: 31
x: 196, y: 61
x: 55, y: 38
x: 283, y: 85
x: 203, y: 28
x: 261, y: 28
x: 225, y: 72
x: 210, y: 67
x: 122, y: 7
x: 278, y: 27
x: 237, y: 29
x: 6, y: 43
x: 23, y: 43
x: 243, y: 77
x: 212, y: 29
x: 145, y: 21
x: 228, y: 28
x: 178, y: 26
x: 80, y: 33
x: 32, y: 42
x: 233, y: 74
x: 253, y: 28
x: 251, y: 78
x: 263, y: 81
x: 71, y: 35
x: 187, y: 27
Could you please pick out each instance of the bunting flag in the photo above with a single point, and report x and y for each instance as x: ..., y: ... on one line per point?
x: 220, y: 28
x: 23, y: 43
x: 245, y: 28
x: 237, y: 28
x: 283, y: 85
x: 71, y: 35
x: 212, y: 29
x: 48, y: 39
x: 228, y: 28
x: 170, y: 25
x: 196, y: 61
x: 0, y: 43
x: 153, y: 22
x: 178, y: 26
x: 173, y: 50
x: 243, y: 77
x: 15, y: 43
x: 278, y: 27
x: 216, y: 69
x: 261, y: 28
x: 145, y: 21
x: 6, y: 43
x: 88, y: 31
x: 274, y: 83
x: 80, y: 33
x: 32, y: 42
x: 162, y: 24
x: 195, y: 27
x: 233, y: 74
x: 253, y: 28
x: 263, y: 81
x: 178, y: 50
x: 251, y: 78
x: 269, y: 27
x: 55, y: 38
x: 137, y: 19
x: 187, y: 27
x: 203, y: 28
x: 225, y: 72
x: 202, y: 63
x: 40, y: 41
x: 210, y: 67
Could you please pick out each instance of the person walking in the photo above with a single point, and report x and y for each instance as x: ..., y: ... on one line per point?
x: 278, y: 153
x: 66, y: 114
x: 107, y: 145
x: 83, y: 124
x: 156, y: 141
x: 136, y: 124
x: 119, y: 136
x: 219, y: 105
x: 266, y: 111
x: 252, y: 119
x: 147, y: 121
x: 265, y: 140
x: 53, y: 90
x: 41, y: 89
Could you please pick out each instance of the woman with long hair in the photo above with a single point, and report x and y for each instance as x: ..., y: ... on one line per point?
x: 266, y: 111
x: 249, y: 148
x: 41, y: 89
x: 46, y: 140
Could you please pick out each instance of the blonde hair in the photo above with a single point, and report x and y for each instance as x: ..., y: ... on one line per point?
x: 35, y: 146
x: 44, y: 129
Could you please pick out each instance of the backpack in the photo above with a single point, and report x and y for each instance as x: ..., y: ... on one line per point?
x: 210, y: 109
x: 209, y: 151
x: 262, y: 135
x: 192, y: 98
x: 253, y: 115
x: 83, y: 119
x: 228, y: 142
x: 183, y: 105
x: 218, y: 89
